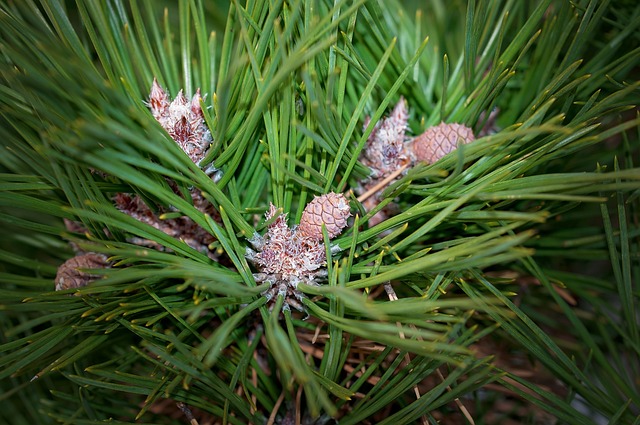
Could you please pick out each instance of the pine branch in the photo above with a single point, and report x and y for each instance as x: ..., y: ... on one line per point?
x: 485, y: 226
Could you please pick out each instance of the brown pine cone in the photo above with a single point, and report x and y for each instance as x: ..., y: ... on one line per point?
x: 69, y: 276
x: 439, y: 140
x: 331, y: 209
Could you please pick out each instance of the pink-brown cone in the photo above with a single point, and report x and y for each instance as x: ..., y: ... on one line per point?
x: 68, y: 275
x: 439, y: 140
x: 331, y: 209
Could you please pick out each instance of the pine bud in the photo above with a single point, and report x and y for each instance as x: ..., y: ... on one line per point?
x: 438, y: 141
x: 182, y: 119
x: 385, y: 150
x: 69, y: 276
x: 331, y: 209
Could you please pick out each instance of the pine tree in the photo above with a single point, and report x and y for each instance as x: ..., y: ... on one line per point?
x: 319, y: 212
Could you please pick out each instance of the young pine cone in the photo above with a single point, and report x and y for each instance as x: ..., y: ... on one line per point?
x: 438, y: 141
x: 69, y: 276
x: 331, y: 209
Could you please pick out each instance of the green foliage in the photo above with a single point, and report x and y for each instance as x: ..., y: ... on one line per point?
x: 518, y: 251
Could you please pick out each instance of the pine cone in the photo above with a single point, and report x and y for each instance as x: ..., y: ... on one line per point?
x: 438, y: 141
x: 69, y: 276
x: 331, y: 209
